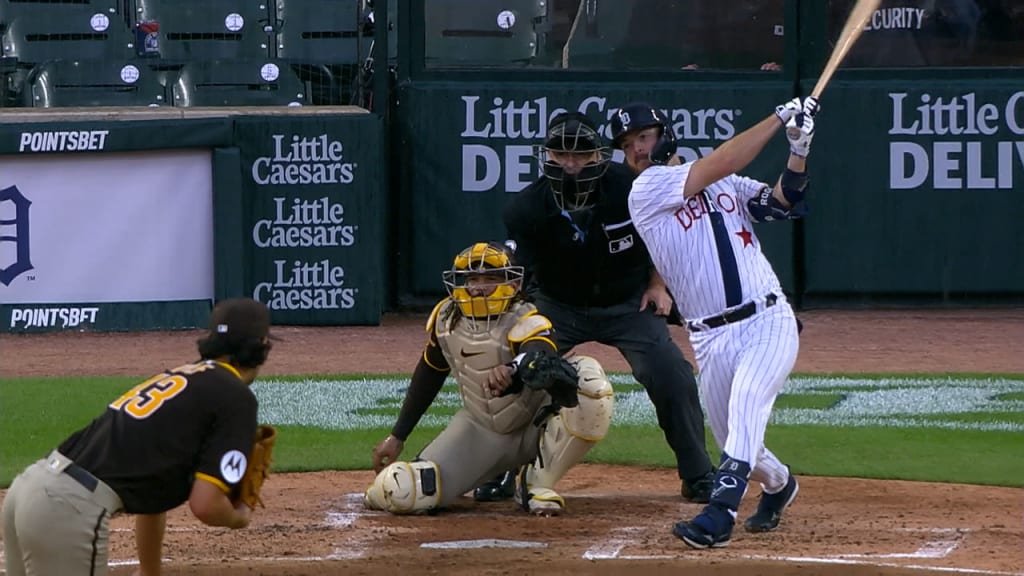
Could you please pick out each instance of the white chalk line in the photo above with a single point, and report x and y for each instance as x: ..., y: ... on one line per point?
x: 351, y: 510
x: 867, y: 562
x: 932, y: 549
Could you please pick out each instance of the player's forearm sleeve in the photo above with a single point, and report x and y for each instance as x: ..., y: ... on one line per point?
x: 426, y: 383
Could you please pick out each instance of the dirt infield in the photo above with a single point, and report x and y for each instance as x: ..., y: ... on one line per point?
x: 619, y: 518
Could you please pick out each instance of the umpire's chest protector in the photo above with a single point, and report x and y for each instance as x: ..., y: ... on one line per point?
x: 472, y: 353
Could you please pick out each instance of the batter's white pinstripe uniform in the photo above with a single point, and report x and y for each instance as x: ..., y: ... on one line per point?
x: 706, y: 250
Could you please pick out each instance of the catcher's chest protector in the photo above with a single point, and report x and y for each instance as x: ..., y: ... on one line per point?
x: 472, y: 355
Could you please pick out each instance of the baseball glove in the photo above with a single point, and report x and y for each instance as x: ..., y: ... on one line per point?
x: 545, y: 371
x: 259, y: 466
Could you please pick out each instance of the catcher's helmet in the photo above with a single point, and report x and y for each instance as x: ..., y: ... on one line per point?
x: 483, y: 259
x: 573, y: 132
x: 638, y: 116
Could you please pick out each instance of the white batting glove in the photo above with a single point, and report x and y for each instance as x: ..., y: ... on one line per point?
x: 788, y: 110
x: 800, y: 132
x: 811, y: 106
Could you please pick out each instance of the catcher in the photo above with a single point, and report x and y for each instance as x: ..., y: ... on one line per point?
x: 186, y: 434
x: 524, y: 406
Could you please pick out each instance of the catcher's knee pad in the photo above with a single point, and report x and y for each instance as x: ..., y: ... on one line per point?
x: 566, y: 439
x: 591, y: 419
x: 405, y: 488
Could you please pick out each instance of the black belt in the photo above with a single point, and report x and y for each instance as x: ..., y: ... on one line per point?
x: 82, y: 476
x: 733, y: 316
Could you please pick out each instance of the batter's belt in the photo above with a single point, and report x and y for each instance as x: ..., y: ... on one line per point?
x: 733, y: 316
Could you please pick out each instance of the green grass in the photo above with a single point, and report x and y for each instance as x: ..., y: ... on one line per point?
x: 37, y: 414
x: 812, y: 401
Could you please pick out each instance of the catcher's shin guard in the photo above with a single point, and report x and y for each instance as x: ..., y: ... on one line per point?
x: 405, y: 488
x: 566, y: 439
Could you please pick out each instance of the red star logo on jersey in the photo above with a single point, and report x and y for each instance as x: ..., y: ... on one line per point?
x: 748, y: 238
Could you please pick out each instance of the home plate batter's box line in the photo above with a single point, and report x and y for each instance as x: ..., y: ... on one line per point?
x: 333, y: 519
x: 611, y: 550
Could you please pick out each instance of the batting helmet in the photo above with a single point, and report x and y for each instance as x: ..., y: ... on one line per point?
x: 484, y: 266
x: 638, y: 116
x: 573, y: 132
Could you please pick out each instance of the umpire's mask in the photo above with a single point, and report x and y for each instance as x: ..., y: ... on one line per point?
x: 575, y: 158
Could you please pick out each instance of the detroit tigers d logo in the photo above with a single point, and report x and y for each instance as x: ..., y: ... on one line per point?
x: 14, y: 230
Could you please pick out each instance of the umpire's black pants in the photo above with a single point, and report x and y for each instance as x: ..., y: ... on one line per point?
x: 657, y: 363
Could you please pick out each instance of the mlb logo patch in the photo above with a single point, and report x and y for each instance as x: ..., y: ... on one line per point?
x: 620, y: 244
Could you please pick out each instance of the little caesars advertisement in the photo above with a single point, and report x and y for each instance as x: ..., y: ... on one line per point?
x: 956, y: 141
x: 471, y: 149
x: 314, y: 210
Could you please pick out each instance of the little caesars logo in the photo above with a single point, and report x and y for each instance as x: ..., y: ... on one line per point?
x: 304, y: 224
x: 948, y: 158
x: 485, y: 165
x: 306, y: 286
x: 300, y: 160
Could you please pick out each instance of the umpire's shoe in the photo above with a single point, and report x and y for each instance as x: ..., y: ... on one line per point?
x: 698, y: 490
x: 500, y: 488
x: 769, y: 509
x: 712, y: 528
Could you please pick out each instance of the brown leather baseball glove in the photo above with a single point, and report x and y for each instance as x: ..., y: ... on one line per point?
x: 259, y: 466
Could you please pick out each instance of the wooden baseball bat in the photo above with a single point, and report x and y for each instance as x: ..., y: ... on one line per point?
x: 859, y: 16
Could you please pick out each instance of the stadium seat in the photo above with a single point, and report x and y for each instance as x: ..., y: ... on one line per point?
x: 326, y: 42
x: 600, y: 29
x: 63, y: 83
x: 55, y: 9
x: 492, y: 33
x: 321, y: 31
x: 264, y: 82
x: 183, y: 30
x: 78, y: 34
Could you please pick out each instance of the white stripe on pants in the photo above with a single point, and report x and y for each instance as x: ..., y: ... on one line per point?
x: 743, y: 367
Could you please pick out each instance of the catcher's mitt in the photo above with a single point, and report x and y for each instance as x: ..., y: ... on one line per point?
x: 541, y: 371
x: 259, y: 466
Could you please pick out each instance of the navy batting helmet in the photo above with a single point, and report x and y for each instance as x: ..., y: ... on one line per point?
x: 640, y: 115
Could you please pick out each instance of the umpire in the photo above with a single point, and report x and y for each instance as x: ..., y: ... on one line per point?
x: 589, y: 272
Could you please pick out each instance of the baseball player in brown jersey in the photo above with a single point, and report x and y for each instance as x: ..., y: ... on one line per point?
x: 484, y: 335
x: 182, y: 435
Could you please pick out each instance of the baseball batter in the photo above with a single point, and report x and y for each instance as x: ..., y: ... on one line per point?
x: 183, y: 435
x: 696, y: 221
x: 493, y: 343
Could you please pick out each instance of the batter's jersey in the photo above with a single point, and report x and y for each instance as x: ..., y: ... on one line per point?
x: 704, y: 246
x: 473, y: 348
x: 198, y: 420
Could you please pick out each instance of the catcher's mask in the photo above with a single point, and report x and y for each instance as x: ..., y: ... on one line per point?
x: 483, y: 281
x: 575, y: 158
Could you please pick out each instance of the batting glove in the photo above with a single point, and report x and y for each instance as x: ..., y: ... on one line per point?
x: 800, y: 132
x: 788, y: 110
x: 811, y: 106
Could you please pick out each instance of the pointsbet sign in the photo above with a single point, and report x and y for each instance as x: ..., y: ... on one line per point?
x: 955, y: 142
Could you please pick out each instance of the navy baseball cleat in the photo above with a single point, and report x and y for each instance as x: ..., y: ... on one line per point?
x: 769, y: 509
x: 712, y: 528
x: 497, y: 489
